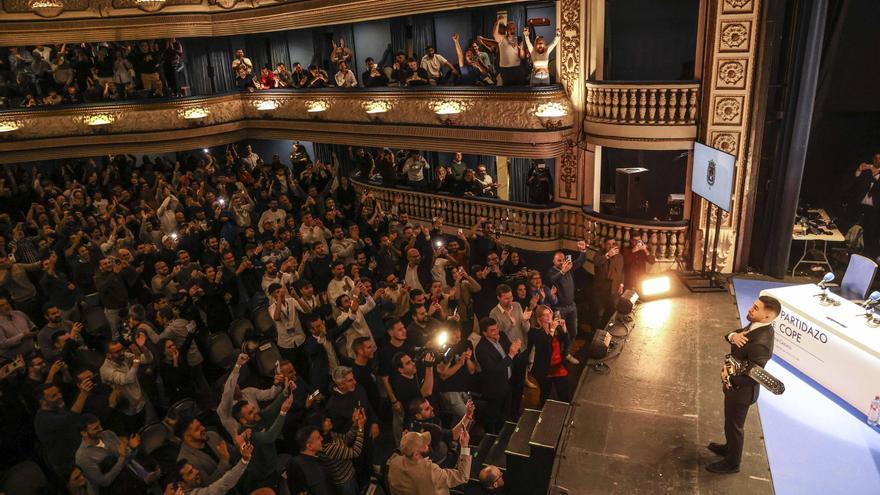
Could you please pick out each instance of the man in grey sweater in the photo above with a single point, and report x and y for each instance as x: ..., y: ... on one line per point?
x: 190, y: 480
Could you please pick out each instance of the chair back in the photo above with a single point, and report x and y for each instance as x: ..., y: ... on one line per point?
x: 221, y: 352
x: 267, y: 355
x: 182, y: 408
x: 262, y: 320
x: 238, y: 331
x: 24, y: 478
x: 858, y: 278
x: 154, y: 436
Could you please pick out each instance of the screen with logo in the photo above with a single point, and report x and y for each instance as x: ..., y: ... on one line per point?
x: 713, y: 174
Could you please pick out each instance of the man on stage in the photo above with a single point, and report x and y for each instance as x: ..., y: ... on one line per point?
x: 753, y: 344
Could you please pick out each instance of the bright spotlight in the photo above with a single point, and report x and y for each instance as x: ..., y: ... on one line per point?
x: 442, y: 338
x: 655, y: 285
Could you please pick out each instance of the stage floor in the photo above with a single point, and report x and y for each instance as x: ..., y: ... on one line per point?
x: 643, y: 428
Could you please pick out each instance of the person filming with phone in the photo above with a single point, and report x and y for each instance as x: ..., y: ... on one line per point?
x: 607, y: 282
x: 636, y: 259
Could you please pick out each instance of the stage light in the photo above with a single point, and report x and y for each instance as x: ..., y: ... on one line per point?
x: 315, y: 107
x: 193, y: 113
x: 10, y: 125
x: 442, y: 339
x: 655, y: 285
x: 266, y: 105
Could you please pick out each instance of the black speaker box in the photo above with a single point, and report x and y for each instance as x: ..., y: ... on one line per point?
x: 629, y: 187
x: 599, y: 345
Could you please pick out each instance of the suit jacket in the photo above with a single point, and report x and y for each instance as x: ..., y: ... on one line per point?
x: 757, y: 350
x: 542, y: 343
x: 494, y: 367
x: 608, y: 272
x: 863, y: 186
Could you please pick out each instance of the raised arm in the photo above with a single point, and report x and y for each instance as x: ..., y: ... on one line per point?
x: 458, y: 51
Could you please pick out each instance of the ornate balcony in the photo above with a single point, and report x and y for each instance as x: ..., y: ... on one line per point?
x: 106, y: 20
x: 505, y: 121
x: 538, y: 228
x: 658, y: 115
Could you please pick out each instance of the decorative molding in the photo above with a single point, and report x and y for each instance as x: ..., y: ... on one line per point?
x: 735, y: 36
x: 492, y: 121
x: 568, y: 174
x: 731, y: 73
x: 192, y: 18
x: 570, y: 44
x: 726, y: 96
x: 728, y: 110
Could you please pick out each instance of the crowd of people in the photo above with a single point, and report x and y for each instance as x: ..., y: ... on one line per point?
x: 123, y: 276
x: 50, y: 75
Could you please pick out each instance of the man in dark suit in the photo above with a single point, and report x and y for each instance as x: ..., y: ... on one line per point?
x: 495, y: 353
x: 753, y: 344
x: 607, y: 282
x: 865, y: 204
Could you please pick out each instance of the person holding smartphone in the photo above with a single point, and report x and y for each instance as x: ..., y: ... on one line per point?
x: 635, y: 262
x: 607, y: 282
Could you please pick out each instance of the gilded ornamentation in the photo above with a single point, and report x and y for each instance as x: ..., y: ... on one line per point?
x: 734, y: 36
x: 737, y: 5
x: 569, y: 169
x: 570, y: 44
x: 23, y: 6
x: 731, y: 74
x: 728, y: 109
x: 725, y: 142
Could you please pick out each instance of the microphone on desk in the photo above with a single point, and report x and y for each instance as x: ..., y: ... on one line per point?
x: 825, y: 279
x: 872, y: 300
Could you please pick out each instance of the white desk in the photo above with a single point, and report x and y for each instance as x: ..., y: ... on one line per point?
x: 833, y: 345
x: 798, y: 234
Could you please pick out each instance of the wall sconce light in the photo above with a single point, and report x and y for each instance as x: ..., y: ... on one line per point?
x: 8, y: 126
x: 316, y: 107
x: 46, y: 8
x: 150, y: 5
x: 193, y: 113
x: 448, y: 112
x: 551, y: 114
x: 266, y: 105
x: 97, y: 120
x: 376, y: 109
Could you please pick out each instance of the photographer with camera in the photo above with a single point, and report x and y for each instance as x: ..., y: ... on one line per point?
x: 635, y: 262
x: 456, y: 370
x: 540, y: 183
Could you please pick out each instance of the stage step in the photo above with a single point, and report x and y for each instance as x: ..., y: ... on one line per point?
x: 550, y: 424
x: 496, y: 454
x: 480, y: 455
x: 519, y: 442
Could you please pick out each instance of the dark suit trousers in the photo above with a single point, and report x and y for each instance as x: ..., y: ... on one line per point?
x: 547, y: 384
x: 604, y: 305
x: 493, y: 413
x: 735, y: 411
x: 517, y: 384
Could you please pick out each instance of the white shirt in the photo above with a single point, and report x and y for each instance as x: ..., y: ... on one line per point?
x: 432, y: 65
x: 289, y: 330
x: 359, y: 327
x: 438, y: 271
x: 412, y: 278
x: 282, y: 278
x: 508, y: 53
x: 337, y: 288
x: 251, y: 160
x: 244, y: 60
x: 415, y: 170
x: 346, y: 79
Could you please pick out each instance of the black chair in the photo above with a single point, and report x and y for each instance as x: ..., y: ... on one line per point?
x: 221, y: 352
x: 263, y: 320
x: 238, y: 331
x: 180, y: 409
x: 154, y: 436
x: 25, y: 478
x: 96, y: 322
x: 267, y: 355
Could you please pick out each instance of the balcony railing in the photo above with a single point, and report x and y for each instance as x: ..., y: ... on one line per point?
x: 509, y: 121
x: 665, y: 240
x: 643, y: 103
x: 536, y: 227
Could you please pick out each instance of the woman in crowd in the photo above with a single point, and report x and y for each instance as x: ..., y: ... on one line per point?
x: 548, y: 338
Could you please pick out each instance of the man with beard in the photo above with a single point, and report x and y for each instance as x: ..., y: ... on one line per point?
x: 266, y: 426
x: 120, y: 369
x: 52, y: 424
x: 98, y: 450
x: 233, y: 394
x: 204, y: 450
x: 190, y: 477
x: 55, y: 323
x: 318, y: 268
x: 560, y: 276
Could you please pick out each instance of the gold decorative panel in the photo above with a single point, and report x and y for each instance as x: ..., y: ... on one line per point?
x: 727, y: 94
x: 731, y: 73
x: 486, y: 116
x: 735, y: 36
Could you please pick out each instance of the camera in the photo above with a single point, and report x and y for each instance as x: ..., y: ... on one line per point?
x: 440, y: 347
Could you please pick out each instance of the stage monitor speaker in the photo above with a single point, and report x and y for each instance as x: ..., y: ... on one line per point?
x: 629, y: 186
x: 599, y: 345
x: 626, y: 302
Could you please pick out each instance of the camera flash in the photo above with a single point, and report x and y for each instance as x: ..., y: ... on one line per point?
x: 442, y: 337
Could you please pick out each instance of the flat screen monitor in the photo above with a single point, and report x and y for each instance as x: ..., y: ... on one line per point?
x: 713, y: 174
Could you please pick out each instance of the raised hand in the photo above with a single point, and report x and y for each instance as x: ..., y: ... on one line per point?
x: 242, y: 359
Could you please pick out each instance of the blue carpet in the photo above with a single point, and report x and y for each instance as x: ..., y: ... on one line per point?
x: 816, y: 443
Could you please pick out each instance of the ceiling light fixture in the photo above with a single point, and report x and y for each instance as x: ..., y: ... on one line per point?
x: 46, y: 8
x: 150, y: 5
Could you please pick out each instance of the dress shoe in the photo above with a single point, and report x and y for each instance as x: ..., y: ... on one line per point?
x: 717, y: 448
x: 722, y: 467
x: 573, y: 360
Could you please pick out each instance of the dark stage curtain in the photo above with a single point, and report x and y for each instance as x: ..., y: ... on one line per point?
x: 398, y: 35
x: 278, y: 51
x: 423, y: 34
x: 517, y: 170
